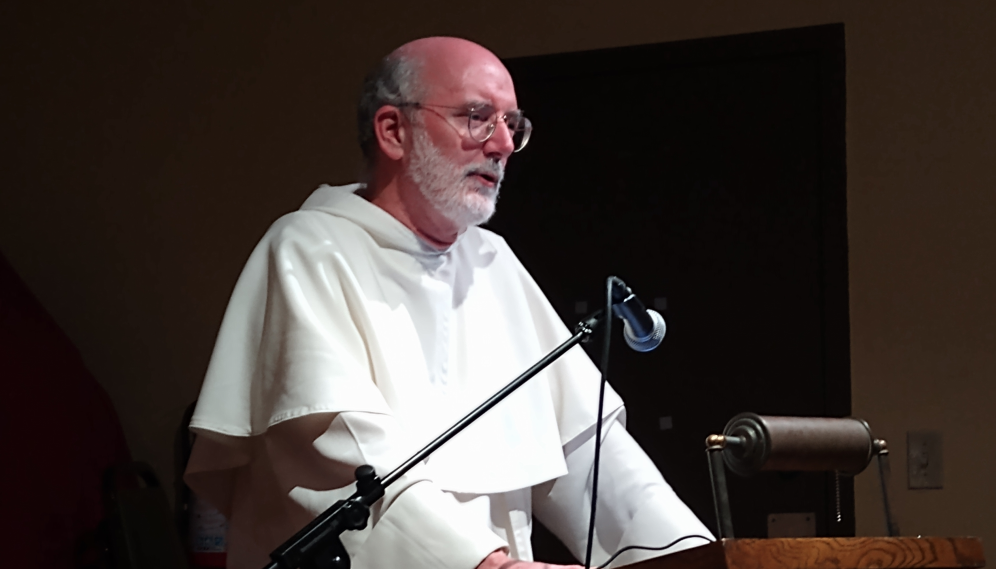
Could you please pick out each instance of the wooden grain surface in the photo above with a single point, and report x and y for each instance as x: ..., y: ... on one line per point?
x: 827, y: 553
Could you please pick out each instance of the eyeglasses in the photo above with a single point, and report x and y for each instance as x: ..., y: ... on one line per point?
x: 482, y: 121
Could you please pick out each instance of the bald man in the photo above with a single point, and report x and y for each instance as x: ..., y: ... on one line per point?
x: 370, y: 320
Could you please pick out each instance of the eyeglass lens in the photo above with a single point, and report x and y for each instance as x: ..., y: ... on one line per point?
x: 482, y: 123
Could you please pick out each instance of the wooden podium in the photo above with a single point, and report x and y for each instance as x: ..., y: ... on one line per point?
x: 826, y: 553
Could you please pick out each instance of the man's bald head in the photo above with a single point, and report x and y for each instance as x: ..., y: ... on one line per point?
x: 445, y: 60
x: 412, y: 72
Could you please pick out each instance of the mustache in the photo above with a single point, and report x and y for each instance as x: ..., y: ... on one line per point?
x: 492, y: 169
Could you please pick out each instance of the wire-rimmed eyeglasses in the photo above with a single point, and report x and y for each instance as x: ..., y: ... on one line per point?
x: 482, y: 121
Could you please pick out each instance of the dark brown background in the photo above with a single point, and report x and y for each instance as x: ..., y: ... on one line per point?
x: 145, y: 149
x: 709, y: 174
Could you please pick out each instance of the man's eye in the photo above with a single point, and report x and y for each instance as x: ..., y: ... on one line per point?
x: 481, y: 115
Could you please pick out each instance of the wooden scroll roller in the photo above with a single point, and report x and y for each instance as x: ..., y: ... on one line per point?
x: 755, y: 443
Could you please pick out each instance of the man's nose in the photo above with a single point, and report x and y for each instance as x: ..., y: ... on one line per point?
x: 500, y: 146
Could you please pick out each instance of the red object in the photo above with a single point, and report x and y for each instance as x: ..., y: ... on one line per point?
x: 208, y: 559
x: 59, y: 434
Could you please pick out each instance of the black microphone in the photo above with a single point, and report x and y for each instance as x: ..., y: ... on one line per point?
x: 643, y: 329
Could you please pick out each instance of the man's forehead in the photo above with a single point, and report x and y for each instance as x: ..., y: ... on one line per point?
x: 461, y: 71
x: 473, y: 83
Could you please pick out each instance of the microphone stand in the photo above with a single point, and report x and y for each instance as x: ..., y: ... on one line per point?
x: 318, y: 545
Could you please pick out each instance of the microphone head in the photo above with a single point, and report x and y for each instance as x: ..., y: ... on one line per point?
x: 651, y: 340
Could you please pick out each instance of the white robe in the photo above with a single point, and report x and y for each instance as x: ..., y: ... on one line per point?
x: 350, y: 341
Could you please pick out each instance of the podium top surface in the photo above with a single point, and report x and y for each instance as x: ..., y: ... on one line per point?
x: 827, y: 553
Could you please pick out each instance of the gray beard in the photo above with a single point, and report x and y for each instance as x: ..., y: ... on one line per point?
x: 450, y: 189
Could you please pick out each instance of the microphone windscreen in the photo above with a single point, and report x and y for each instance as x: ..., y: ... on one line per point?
x: 652, y: 339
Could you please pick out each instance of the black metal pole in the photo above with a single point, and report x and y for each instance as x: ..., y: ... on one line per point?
x: 717, y: 475
x: 884, y: 473
x: 321, y: 536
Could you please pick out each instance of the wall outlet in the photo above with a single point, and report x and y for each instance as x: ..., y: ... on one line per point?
x: 792, y: 525
x: 924, y: 459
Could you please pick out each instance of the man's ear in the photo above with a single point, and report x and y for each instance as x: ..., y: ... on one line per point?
x: 391, y: 130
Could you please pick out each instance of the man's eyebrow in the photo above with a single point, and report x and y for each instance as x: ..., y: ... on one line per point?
x: 481, y: 104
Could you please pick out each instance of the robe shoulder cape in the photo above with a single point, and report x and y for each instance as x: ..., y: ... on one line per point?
x: 341, y: 308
